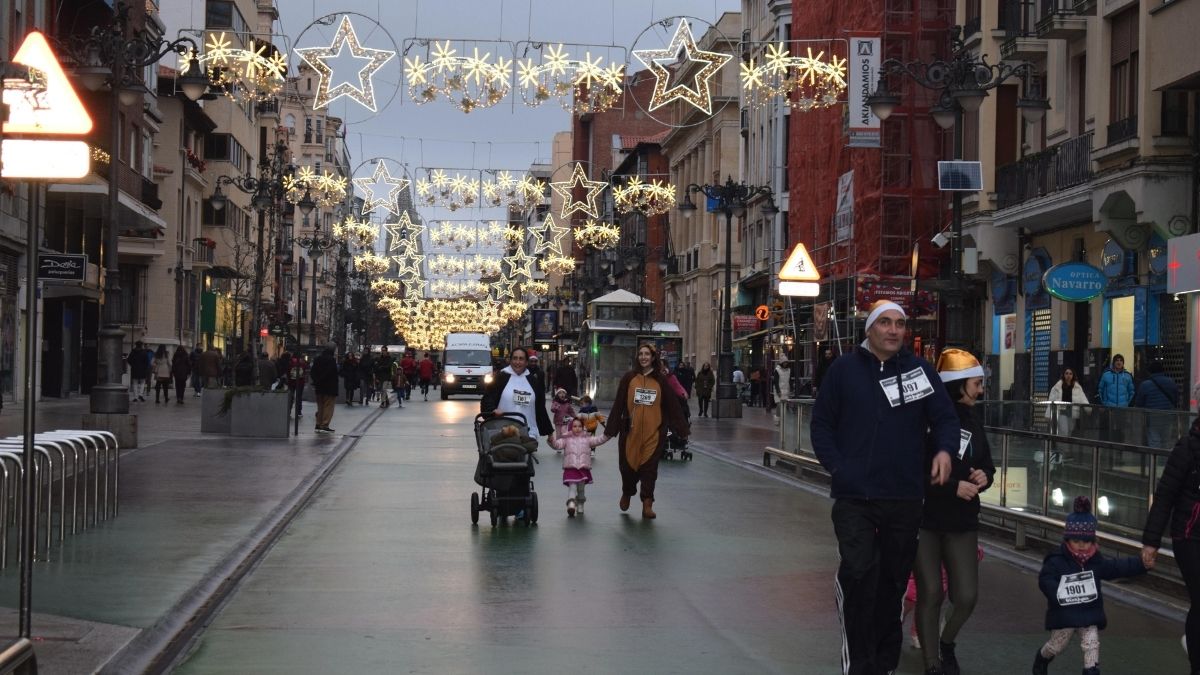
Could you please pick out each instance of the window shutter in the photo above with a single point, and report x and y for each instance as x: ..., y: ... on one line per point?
x: 1124, y: 34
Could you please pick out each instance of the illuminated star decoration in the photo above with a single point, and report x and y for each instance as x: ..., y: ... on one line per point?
x: 504, y: 288
x: 520, y: 264
x: 548, y: 236
x: 345, y: 37
x: 372, y: 186
x: 404, y: 233
x: 699, y: 95
x: 408, y: 264
x: 565, y: 189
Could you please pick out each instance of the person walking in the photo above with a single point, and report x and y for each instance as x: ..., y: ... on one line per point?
x: 425, y: 375
x: 577, y: 446
x: 297, y: 377
x: 197, y: 378
x: 705, y: 381
x: 162, y: 374
x: 243, y: 370
x: 350, y: 376
x: 408, y: 364
x: 686, y: 376
x: 1116, y: 390
x: 181, y: 368
x: 739, y: 381
x: 385, y: 373
x: 645, y: 408
x: 565, y: 377
x: 1177, y: 502
x: 267, y: 374
x: 949, y: 535
x: 324, y: 374
x: 823, y: 363
x: 516, y: 389
x: 1070, y: 580
x: 1157, y: 392
x: 536, y: 368
x: 868, y: 430
x: 210, y: 367
x: 1066, y: 390
x: 366, y: 376
x: 139, y: 360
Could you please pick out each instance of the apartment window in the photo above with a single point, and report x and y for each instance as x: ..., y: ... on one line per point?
x: 308, y: 129
x: 224, y: 14
x: 1175, y: 113
x: 216, y: 146
x: 320, y: 130
x: 1080, y: 87
x: 214, y: 217
x: 1123, y: 83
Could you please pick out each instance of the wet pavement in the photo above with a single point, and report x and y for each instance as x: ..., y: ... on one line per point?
x: 383, y: 572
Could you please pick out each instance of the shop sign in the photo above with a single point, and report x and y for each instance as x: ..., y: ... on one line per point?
x: 1183, y: 264
x: 745, y: 323
x: 1035, y: 267
x: 1004, y: 293
x: 58, y: 267
x: 1074, y: 281
x: 1113, y: 259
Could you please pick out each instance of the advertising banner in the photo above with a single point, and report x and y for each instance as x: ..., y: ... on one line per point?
x: 545, y: 324
x: 863, y: 127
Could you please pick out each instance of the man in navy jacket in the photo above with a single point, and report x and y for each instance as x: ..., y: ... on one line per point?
x: 873, y: 411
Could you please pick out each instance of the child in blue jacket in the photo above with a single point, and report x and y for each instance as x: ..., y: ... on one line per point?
x: 1070, y: 580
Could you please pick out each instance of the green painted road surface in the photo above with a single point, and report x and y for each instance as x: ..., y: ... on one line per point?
x: 384, y: 573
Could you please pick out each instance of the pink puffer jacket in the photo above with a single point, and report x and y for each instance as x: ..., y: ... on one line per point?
x: 577, y: 450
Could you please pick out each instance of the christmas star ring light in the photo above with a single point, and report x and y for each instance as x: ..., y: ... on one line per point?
x: 403, y: 233
x: 381, y: 188
x: 674, y: 75
x: 579, y: 183
x: 345, y: 38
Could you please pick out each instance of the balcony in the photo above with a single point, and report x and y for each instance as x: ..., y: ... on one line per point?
x: 203, y: 255
x: 149, y: 194
x: 1085, y: 7
x: 1018, y: 21
x: 1054, y: 169
x: 268, y: 109
x: 1059, y: 21
x: 1122, y: 130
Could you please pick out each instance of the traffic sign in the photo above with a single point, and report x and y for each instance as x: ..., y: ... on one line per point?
x: 762, y: 312
x: 799, y: 266
x: 50, y: 109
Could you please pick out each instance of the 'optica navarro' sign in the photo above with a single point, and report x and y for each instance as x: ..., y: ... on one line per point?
x: 1074, y: 281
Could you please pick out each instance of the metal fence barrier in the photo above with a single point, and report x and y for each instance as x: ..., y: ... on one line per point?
x: 79, y: 467
x: 1039, y: 472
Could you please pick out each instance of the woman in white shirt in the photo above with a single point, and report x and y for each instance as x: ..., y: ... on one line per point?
x: 1066, y: 390
x: 517, y: 390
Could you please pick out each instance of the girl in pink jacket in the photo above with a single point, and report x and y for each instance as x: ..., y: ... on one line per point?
x: 577, y: 447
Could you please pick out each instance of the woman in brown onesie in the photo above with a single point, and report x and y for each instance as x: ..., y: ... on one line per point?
x: 644, y: 408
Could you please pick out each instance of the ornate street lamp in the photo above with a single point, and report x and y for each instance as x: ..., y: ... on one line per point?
x: 962, y: 83
x: 106, y: 56
x: 731, y: 199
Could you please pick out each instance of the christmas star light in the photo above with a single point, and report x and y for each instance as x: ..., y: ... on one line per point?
x: 699, y: 95
x: 504, y: 288
x: 381, y: 176
x: 403, y: 230
x: 413, y: 288
x: 345, y: 37
x: 520, y: 264
x: 565, y: 189
x: 408, y: 264
x: 548, y: 236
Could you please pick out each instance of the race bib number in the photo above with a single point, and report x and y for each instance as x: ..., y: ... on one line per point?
x: 915, y: 383
x: 522, y: 397
x: 964, y: 442
x: 644, y: 396
x: 1077, y: 589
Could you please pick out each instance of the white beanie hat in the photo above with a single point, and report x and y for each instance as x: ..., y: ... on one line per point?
x: 879, y: 308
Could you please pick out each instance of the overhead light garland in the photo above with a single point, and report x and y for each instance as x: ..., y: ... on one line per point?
x: 371, y: 264
x: 581, y: 86
x: 257, y: 72
x: 507, y: 190
x: 566, y: 190
x: 682, y: 48
x: 356, y: 232
x: 653, y: 198
x: 325, y: 188
x: 385, y: 287
x: 468, y: 82
x: 597, y: 235
x: 344, y: 38
x: 804, y: 82
x: 557, y: 264
x: 392, y: 188
x: 448, y: 191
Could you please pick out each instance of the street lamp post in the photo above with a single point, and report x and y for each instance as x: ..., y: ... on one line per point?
x: 106, y: 56
x: 316, y: 244
x: 962, y: 82
x: 731, y: 199
x: 268, y: 192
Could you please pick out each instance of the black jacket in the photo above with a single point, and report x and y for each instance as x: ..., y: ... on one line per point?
x: 324, y: 374
x: 1061, y: 563
x: 1177, y: 496
x: 944, y: 510
x: 491, y: 399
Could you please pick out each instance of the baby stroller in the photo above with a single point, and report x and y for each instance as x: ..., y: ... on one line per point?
x: 675, y: 443
x: 504, y: 471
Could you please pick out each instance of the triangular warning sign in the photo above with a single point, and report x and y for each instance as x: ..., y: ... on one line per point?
x: 56, y: 110
x: 799, y: 266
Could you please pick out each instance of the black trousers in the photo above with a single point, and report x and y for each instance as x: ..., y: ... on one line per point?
x: 877, y: 541
x: 1187, y: 556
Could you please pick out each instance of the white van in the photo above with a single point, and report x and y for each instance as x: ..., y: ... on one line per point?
x: 466, y: 364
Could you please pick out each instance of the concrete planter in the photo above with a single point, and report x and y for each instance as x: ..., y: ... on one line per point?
x: 211, y: 421
x: 259, y: 414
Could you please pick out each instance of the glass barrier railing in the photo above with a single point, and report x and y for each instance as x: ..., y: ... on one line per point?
x: 1048, y: 454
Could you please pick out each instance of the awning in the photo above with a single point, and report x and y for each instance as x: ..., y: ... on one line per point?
x: 750, y: 336
x: 133, y: 215
x: 615, y: 326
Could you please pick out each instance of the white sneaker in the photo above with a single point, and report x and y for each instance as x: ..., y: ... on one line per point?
x: 571, y: 508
